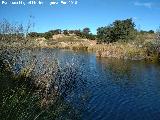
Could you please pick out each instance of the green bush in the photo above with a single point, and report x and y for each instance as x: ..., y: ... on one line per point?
x: 118, y: 30
x: 86, y: 30
x: 33, y: 34
x: 85, y: 33
x: 55, y: 32
x: 48, y: 35
x: 65, y: 32
x: 150, y: 31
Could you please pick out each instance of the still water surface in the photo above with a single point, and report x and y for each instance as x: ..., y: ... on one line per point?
x: 114, y: 89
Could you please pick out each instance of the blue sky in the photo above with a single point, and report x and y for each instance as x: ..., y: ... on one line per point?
x: 87, y: 13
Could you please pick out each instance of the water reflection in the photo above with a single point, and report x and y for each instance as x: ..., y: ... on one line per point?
x: 125, y: 90
x: 110, y: 89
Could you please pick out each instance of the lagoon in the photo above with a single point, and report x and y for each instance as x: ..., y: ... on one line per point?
x: 112, y: 89
x: 115, y: 89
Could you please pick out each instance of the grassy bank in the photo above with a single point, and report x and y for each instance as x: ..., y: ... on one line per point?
x: 143, y: 47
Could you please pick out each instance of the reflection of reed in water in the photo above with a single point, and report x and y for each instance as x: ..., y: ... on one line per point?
x: 117, y: 66
x: 122, y: 72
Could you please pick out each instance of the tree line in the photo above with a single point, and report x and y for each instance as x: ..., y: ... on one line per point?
x: 85, y: 33
x: 123, y: 30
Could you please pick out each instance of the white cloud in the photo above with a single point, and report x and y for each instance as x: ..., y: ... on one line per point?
x: 144, y: 4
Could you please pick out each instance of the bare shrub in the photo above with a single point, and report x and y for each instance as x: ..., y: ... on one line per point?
x: 48, y: 78
x: 15, y: 34
x: 11, y: 32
